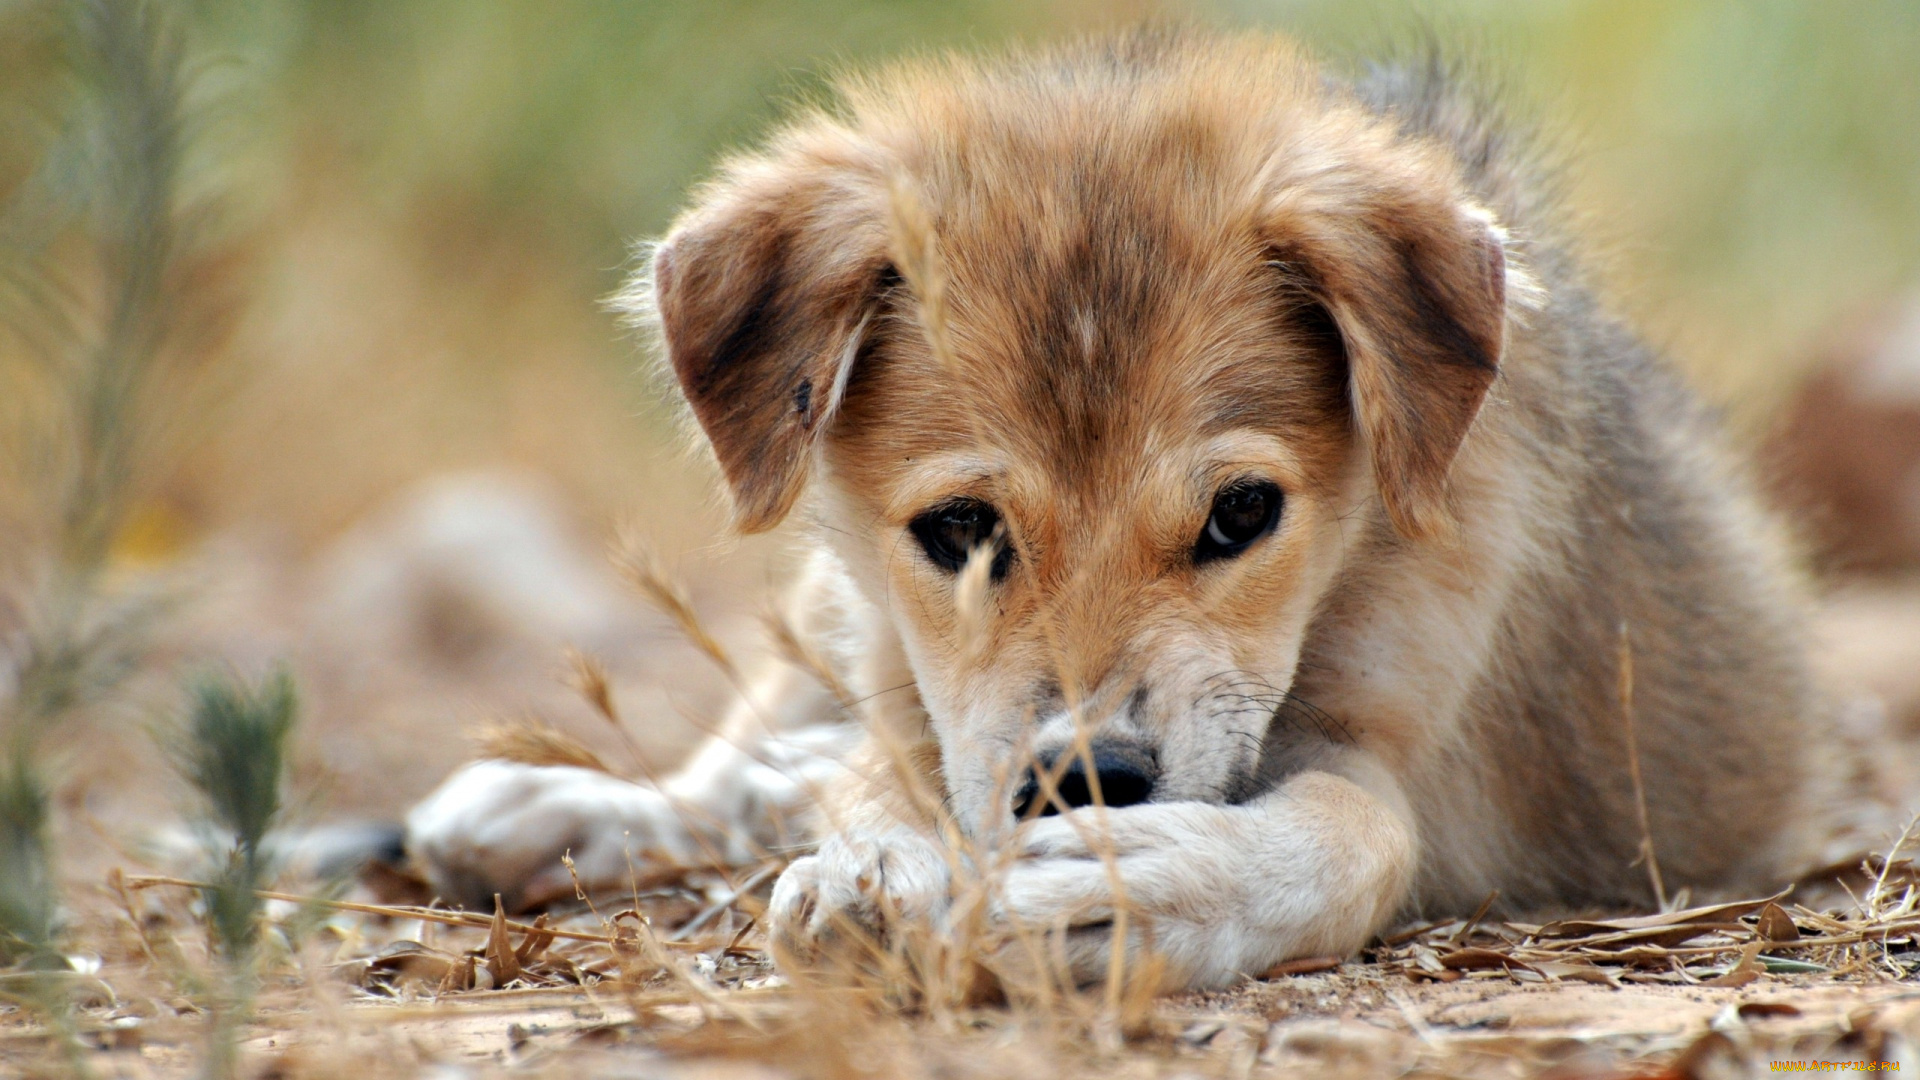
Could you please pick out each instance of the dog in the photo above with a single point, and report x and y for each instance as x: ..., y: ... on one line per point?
x: 1182, y: 429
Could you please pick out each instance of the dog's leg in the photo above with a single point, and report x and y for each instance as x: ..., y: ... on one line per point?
x: 502, y: 827
x: 1314, y: 867
x: 882, y: 864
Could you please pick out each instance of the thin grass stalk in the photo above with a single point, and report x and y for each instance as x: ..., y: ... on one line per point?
x: 801, y: 653
x: 1647, y: 854
x: 588, y: 677
x: 642, y: 568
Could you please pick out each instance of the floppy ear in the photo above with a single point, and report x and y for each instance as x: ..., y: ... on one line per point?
x: 1416, y: 282
x: 762, y: 291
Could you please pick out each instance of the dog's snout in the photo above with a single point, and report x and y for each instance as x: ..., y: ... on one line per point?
x: 1123, y: 772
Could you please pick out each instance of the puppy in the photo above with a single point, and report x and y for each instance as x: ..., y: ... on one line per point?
x: 1179, y: 427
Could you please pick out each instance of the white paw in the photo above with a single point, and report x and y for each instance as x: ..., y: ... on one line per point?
x: 863, y: 885
x: 502, y: 827
x: 1211, y: 892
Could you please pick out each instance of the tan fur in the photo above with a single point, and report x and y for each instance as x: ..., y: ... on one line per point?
x: 1168, y: 262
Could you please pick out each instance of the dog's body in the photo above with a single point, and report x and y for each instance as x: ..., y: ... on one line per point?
x: 1237, y: 442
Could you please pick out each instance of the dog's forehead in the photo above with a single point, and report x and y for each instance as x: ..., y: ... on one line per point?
x: 1089, y: 398
x: 1104, y: 328
x: 1109, y: 292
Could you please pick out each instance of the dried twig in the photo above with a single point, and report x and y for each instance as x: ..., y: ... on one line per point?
x: 391, y: 911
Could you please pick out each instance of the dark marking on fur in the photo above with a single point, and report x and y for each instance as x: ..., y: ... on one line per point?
x: 803, y: 402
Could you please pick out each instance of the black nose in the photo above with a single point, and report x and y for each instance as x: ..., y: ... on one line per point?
x: 1124, y: 770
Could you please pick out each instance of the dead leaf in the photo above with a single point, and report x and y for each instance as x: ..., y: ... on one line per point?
x: 402, y: 963
x: 1777, y: 925
x: 1642, y: 957
x: 534, y: 944
x: 459, y: 976
x: 1426, y: 959
x: 1306, y: 965
x: 502, y: 964
x: 1476, y: 959
x: 1579, y: 971
x: 1422, y: 930
x: 1717, y: 913
x: 1657, y: 937
x: 1747, y: 970
x: 1760, y: 1010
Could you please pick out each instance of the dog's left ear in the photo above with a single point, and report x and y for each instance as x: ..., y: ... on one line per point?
x: 761, y: 291
x: 1415, y: 278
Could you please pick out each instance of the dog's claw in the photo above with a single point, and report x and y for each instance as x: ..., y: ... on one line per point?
x: 863, y: 884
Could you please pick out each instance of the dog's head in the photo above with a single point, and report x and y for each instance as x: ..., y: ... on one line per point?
x: 1099, y: 366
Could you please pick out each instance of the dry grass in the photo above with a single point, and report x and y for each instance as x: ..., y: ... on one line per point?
x: 679, y: 972
x: 534, y: 743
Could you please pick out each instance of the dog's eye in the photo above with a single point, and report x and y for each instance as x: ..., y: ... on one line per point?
x: 1243, y: 512
x: 950, y: 531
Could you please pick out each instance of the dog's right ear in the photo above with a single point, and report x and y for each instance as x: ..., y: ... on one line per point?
x: 762, y: 292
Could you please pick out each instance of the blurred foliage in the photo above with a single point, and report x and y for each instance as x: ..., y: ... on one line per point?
x: 233, y: 751
x: 100, y: 342
x: 1754, y: 135
x: 1753, y: 167
x: 28, y: 903
x: 106, y: 329
x: 234, y: 754
x: 587, y: 118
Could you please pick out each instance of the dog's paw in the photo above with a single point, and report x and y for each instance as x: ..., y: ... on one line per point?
x: 502, y: 827
x: 1208, y: 892
x: 859, y: 887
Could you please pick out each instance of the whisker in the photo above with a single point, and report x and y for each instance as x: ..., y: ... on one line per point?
x: 1329, y: 726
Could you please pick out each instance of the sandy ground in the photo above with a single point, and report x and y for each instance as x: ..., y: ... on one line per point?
x: 1360, y: 1020
x: 1307, y: 1025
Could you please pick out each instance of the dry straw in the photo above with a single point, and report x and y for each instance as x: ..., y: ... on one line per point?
x: 1647, y: 855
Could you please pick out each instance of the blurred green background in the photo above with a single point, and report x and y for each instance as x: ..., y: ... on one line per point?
x: 436, y: 194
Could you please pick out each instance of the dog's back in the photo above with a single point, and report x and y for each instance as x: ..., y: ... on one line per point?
x: 1653, y: 612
